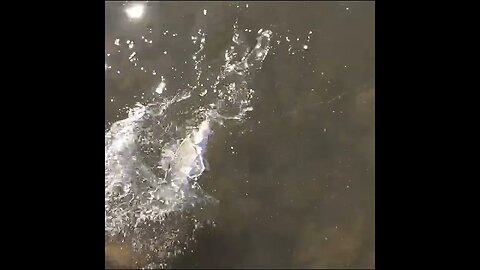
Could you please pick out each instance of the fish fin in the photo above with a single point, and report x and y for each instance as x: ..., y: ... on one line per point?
x: 197, y: 168
x: 206, y: 164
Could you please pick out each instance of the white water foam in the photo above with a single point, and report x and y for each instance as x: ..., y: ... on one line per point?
x: 155, y: 157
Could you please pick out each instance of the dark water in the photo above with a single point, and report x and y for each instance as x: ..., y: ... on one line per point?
x: 296, y: 181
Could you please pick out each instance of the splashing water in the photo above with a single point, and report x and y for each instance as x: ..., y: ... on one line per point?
x: 155, y: 157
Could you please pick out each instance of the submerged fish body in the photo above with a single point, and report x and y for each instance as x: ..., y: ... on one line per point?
x: 189, y: 161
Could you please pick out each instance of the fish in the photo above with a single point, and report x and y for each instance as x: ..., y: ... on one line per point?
x: 189, y: 161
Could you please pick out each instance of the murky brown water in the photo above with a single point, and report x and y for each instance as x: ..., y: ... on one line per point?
x: 297, y: 191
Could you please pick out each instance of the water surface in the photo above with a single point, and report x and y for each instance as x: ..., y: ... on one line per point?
x: 291, y: 164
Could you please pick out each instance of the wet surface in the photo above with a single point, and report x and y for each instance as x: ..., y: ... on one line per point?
x: 295, y: 181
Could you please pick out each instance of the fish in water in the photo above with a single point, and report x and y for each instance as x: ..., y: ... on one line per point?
x: 189, y: 161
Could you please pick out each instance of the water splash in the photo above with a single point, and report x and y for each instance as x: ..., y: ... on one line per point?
x: 155, y: 157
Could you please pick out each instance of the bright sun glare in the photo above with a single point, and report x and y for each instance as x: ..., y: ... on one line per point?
x: 135, y: 11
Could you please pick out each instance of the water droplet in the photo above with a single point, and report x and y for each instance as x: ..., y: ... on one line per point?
x: 161, y: 87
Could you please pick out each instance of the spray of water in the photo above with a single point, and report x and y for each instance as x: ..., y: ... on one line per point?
x: 155, y: 157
